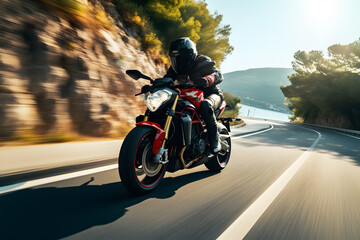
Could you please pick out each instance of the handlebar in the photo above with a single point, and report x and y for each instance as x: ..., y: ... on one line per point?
x: 185, y: 86
x: 148, y: 88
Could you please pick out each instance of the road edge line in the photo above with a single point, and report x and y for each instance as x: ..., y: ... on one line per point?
x: 42, y: 181
x: 253, y: 133
x: 345, y: 134
x: 244, y: 223
x: 65, y: 176
x: 45, y: 171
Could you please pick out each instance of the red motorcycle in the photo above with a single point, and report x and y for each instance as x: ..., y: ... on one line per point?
x: 170, y: 136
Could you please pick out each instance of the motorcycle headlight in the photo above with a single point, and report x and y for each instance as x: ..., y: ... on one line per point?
x: 154, y: 100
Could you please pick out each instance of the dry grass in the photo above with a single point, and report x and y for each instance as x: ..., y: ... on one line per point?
x: 32, y: 138
x: 234, y: 122
x: 80, y: 14
x: 297, y: 120
x: 99, y: 18
x: 73, y: 10
x: 29, y: 138
x: 123, y: 130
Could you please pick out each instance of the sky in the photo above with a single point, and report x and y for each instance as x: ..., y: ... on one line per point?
x: 267, y: 33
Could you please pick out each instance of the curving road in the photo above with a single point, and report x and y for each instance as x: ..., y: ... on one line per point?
x: 286, y: 183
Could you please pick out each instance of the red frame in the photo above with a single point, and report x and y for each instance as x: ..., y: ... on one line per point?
x: 194, y: 116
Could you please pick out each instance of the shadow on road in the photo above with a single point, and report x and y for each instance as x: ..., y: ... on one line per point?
x: 53, y: 213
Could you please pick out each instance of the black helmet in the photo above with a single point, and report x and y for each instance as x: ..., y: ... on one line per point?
x: 182, y: 55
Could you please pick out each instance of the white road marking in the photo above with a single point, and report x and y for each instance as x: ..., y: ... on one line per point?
x: 42, y: 181
x: 345, y: 134
x: 251, y: 134
x: 242, y: 225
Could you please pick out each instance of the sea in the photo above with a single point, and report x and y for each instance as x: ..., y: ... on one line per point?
x: 249, y: 111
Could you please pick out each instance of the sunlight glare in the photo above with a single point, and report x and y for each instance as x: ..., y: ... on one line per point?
x: 322, y: 11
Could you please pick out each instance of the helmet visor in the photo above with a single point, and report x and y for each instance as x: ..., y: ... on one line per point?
x: 180, y: 62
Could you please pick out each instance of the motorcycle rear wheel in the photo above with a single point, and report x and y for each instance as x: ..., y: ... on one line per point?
x: 138, y: 171
x: 219, y: 162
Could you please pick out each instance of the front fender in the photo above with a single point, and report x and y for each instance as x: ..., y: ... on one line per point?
x: 159, y: 137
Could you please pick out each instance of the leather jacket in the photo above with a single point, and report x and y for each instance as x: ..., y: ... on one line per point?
x: 213, y: 79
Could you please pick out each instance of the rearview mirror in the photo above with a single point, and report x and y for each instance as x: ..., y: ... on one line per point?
x: 135, y: 74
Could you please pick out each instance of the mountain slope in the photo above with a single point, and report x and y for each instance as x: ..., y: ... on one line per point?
x: 258, y: 87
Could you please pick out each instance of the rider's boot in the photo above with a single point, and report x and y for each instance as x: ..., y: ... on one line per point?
x: 214, y: 140
x: 208, y: 115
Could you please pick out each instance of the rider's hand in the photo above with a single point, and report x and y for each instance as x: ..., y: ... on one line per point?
x: 202, y: 82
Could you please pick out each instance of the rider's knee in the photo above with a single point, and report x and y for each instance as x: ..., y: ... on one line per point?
x: 206, y: 107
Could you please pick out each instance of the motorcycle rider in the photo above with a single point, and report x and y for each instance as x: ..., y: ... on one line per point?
x: 184, y: 59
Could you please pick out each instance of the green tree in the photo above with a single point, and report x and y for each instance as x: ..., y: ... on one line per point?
x: 213, y: 38
x: 232, y: 102
x: 326, y: 90
x: 158, y: 22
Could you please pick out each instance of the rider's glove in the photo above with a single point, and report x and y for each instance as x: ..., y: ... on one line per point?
x: 202, y: 82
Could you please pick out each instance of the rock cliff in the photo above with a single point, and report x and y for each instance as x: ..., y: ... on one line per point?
x: 59, y: 78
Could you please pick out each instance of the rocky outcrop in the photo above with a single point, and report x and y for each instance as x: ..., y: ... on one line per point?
x: 55, y: 77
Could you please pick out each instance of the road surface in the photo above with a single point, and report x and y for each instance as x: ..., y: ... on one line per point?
x: 288, y: 182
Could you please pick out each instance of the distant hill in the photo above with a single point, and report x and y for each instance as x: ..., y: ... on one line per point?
x: 259, y: 87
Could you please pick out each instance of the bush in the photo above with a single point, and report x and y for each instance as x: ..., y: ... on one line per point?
x: 234, y: 108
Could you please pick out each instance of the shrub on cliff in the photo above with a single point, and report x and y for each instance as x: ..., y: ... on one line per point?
x: 158, y: 22
x: 89, y: 15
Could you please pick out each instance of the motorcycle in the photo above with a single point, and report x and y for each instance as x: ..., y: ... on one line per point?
x: 170, y: 136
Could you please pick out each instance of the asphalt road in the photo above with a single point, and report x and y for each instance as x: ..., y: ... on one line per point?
x: 321, y: 200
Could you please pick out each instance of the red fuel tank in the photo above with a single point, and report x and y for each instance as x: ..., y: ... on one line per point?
x: 195, y: 96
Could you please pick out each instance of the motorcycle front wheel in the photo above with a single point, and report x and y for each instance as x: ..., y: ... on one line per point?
x: 138, y: 171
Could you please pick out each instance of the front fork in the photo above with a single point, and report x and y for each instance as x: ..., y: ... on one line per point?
x: 162, y: 155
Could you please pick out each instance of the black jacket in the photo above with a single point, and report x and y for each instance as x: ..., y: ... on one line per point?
x: 213, y: 76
